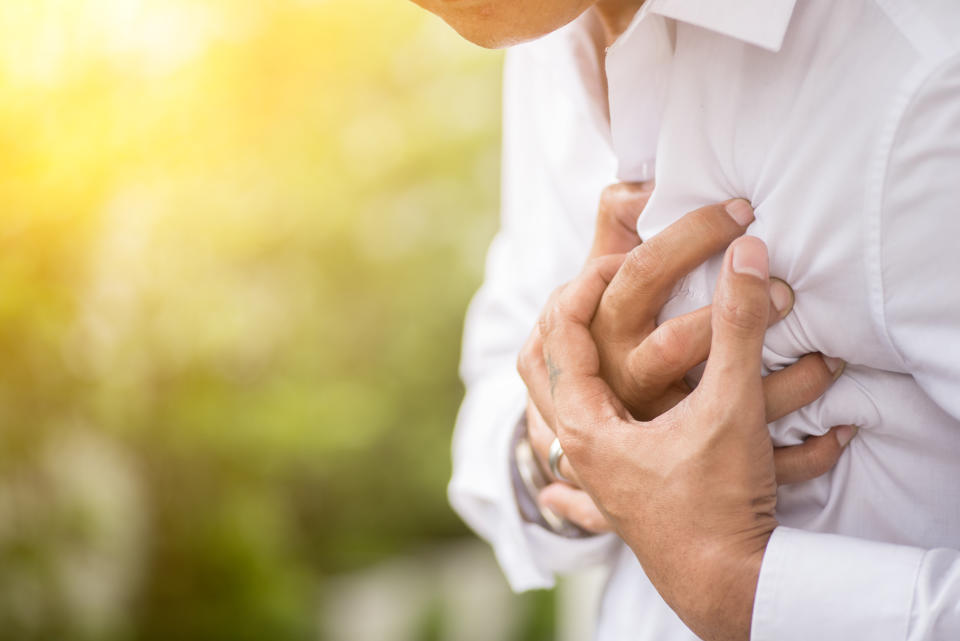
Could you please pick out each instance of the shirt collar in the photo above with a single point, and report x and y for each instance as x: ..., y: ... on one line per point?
x: 759, y: 22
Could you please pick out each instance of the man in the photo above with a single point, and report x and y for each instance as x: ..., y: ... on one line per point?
x: 754, y: 99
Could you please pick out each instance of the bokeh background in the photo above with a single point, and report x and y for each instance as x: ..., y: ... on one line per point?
x: 237, y: 242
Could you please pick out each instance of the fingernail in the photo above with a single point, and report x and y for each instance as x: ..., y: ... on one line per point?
x: 547, y: 504
x: 741, y: 211
x: 845, y: 434
x: 835, y: 365
x: 782, y: 296
x: 750, y: 257
x: 550, y: 515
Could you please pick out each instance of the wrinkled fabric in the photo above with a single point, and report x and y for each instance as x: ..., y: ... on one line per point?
x: 840, y: 122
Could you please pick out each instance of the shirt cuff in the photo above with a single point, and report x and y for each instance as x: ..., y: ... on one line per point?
x: 834, y: 588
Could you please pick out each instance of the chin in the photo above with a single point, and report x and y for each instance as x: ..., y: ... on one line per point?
x: 492, y: 38
x: 495, y: 24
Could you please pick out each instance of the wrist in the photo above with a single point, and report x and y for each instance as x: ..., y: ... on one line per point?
x: 718, y: 603
x: 709, y: 582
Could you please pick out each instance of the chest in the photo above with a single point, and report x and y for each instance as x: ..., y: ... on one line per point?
x: 787, y: 133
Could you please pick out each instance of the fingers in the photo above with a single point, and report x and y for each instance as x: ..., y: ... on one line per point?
x: 531, y: 364
x: 533, y: 371
x: 541, y: 439
x: 667, y: 354
x: 812, y: 458
x: 741, y: 310
x: 580, y: 396
x: 680, y: 344
x: 575, y: 506
x: 567, y: 474
x: 782, y: 299
x: 620, y: 206
x: 579, y: 298
x: 540, y: 434
x: 652, y: 269
x: 799, y: 384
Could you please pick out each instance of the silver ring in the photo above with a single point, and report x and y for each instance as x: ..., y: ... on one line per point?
x: 556, y: 452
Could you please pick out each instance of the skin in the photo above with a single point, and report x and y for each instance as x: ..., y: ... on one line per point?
x: 500, y: 23
x: 503, y: 23
x: 644, y: 364
x: 692, y: 491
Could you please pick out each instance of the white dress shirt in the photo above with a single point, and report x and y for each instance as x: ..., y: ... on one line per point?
x: 840, y: 121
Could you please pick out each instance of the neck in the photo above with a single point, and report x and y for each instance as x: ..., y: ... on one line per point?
x: 615, y: 16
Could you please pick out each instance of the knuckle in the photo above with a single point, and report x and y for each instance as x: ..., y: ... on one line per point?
x: 528, y: 357
x: 574, y: 439
x: 610, y: 197
x: 604, y: 327
x: 595, y: 265
x: 548, y: 318
x: 645, y: 263
x: 543, y: 325
x: 667, y: 344
x: 555, y: 296
x: 578, y: 436
x: 577, y: 304
x: 615, y: 194
x: 621, y: 203
x: 552, y: 299
x: 642, y: 380
x: 744, y: 317
x: 550, y: 321
x: 609, y: 325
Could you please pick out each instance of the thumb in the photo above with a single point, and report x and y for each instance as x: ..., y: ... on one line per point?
x: 740, y: 311
x: 620, y: 207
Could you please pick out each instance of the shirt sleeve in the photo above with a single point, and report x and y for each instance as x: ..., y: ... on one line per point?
x: 835, y: 588
x: 546, y: 227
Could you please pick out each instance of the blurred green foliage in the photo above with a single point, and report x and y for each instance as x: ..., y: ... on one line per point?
x: 237, y: 241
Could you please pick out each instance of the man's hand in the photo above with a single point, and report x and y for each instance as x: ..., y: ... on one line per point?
x: 615, y: 233
x: 693, y: 490
x: 645, y: 364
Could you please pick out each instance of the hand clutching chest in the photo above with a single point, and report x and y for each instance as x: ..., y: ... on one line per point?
x: 645, y: 362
